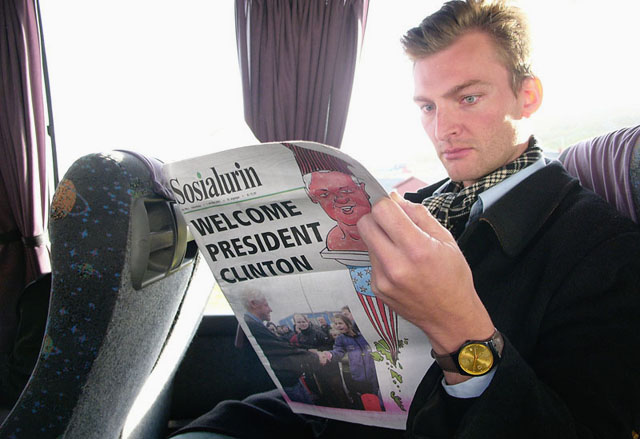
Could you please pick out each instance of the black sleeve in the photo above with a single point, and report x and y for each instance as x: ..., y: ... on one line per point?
x: 582, y: 380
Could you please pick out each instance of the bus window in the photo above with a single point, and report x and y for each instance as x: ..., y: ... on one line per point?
x: 164, y: 81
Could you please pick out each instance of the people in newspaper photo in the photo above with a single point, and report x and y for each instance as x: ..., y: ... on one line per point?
x: 313, y: 367
x: 291, y: 364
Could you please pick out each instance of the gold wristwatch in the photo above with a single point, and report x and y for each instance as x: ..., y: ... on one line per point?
x: 474, y: 358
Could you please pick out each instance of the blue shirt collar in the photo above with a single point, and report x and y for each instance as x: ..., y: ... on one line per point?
x: 254, y: 317
x: 494, y: 193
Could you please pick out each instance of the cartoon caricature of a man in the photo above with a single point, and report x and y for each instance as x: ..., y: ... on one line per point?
x: 344, y: 199
x: 330, y: 183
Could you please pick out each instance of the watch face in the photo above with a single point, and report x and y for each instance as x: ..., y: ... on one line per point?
x: 475, y: 359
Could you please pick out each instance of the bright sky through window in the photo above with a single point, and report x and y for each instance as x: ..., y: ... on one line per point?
x: 162, y: 78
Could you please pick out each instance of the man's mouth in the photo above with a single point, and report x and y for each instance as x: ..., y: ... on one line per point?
x: 347, y: 210
x: 456, y: 153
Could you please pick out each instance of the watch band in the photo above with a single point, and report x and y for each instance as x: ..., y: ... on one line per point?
x: 449, y: 362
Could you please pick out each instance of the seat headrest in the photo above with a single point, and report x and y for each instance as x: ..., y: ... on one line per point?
x: 158, y: 182
x: 605, y: 164
x: 160, y: 240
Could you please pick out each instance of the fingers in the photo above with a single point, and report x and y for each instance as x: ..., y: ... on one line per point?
x: 400, y: 234
x: 400, y: 229
x: 372, y: 234
x: 323, y: 357
x: 391, y: 237
x: 379, y: 280
x: 421, y: 216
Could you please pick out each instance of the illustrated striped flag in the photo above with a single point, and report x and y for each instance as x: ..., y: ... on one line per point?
x: 383, y: 318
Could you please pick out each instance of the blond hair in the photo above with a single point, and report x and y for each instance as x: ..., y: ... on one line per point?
x: 505, y: 24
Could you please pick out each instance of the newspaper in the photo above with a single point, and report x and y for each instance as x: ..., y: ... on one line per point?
x: 276, y: 223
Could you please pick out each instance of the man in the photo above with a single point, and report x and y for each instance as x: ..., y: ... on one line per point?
x: 510, y: 253
x: 345, y: 200
x: 310, y: 336
x: 323, y: 325
x: 288, y: 362
x: 330, y: 182
x: 542, y: 273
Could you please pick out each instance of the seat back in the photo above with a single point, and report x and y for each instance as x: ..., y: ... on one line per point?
x: 610, y: 166
x: 121, y: 265
x: 16, y: 367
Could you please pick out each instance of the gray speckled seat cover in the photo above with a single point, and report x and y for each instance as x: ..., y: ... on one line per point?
x: 103, y: 337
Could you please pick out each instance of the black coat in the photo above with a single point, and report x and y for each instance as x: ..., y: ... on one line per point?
x: 558, y: 271
x: 288, y: 362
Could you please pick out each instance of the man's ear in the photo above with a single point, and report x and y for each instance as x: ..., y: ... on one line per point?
x: 311, y: 197
x: 361, y: 186
x: 531, y: 95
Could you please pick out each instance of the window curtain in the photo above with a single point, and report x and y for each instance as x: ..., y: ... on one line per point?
x: 24, y: 255
x: 297, y: 60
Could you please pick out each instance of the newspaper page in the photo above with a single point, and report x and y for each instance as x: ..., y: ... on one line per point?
x: 276, y: 223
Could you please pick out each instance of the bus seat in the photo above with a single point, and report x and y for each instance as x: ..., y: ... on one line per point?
x: 119, y: 320
x: 610, y: 166
x: 16, y: 367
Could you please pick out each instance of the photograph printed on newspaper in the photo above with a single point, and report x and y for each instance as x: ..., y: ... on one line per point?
x: 276, y: 223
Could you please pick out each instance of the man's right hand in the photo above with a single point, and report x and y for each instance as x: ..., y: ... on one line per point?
x: 324, y: 357
x: 420, y: 272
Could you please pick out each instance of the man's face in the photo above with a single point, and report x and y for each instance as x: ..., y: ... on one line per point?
x: 322, y: 321
x: 468, y: 108
x: 344, y: 200
x: 261, y: 309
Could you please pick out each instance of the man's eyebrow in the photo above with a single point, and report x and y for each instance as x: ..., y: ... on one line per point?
x: 453, y: 91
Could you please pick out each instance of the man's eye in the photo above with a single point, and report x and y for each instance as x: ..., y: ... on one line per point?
x: 470, y: 99
x: 427, y: 108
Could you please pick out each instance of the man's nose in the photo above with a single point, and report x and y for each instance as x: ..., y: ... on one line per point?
x: 341, y: 197
x: 447, y: 124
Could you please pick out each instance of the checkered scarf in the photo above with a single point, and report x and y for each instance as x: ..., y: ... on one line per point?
x: 452, y: 207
